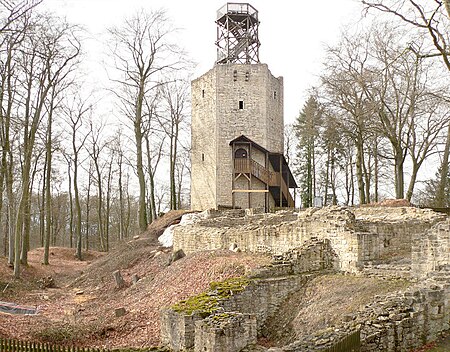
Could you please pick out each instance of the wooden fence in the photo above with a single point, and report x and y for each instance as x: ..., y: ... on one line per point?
x: 350, y: 343
x: 7, y: 345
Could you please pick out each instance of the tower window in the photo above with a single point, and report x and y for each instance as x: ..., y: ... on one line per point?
x: 275, y: 94
x: 203, y: 93
x: 235, y: 75
x: 241, y: 104
x: 203, y: 157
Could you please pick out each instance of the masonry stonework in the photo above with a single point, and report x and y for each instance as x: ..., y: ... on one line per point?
x: 431, y: 250
x: 362, y: 240
x: 357, y: 236
x: 228, y: 101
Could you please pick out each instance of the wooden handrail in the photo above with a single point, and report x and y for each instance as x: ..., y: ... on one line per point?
x: 248, y: 165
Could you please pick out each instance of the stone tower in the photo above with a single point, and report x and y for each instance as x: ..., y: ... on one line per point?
x: 237, y: 123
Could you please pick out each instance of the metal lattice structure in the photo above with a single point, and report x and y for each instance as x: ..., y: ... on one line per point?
x: 237, y: 34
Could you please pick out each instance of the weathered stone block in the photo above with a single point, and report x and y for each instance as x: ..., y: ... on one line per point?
x: 226, y: 332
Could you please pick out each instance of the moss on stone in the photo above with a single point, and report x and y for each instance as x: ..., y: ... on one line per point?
x: 207, y: 303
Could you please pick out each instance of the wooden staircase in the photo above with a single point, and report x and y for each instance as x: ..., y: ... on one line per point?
x: 273, y: 180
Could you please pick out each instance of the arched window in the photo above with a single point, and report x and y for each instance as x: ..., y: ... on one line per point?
x: 240, y: 153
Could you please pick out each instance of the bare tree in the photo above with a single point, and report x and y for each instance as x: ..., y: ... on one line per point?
x: 175, y: 96
x: 75, y: 111
x: 431, y: 19
x: 16, y: 10
x: 11, y: 42
x: 343, y: 93
x: 143, y: 53
x: 49, y: 55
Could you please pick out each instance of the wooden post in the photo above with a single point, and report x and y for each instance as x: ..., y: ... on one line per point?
x: 281, y: 182
x: 266, y: 196
x: 250, y: 185
x: 288, y: 195
x: 233, y: 175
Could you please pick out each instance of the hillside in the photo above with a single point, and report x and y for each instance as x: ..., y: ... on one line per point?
x: 81, y: 308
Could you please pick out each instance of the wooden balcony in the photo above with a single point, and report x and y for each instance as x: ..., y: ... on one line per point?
x: 270, y: 178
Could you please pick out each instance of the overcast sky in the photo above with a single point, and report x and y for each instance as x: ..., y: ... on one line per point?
x: 293, y: 34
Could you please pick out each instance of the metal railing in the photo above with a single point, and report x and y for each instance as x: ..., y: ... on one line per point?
x: 236, y: 8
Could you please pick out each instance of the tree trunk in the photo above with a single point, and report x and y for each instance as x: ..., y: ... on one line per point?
x: 327, y: 177
x: 376, y: 171
x: 77, y: 203
x: 359, y: 172
x: 41, y: 201
x: 88, y: 209
x: 399, y: 175
x: 70, y: 206
x: 412, y: 182
x: 11, y: 208
x: 443, y: 175
x: 151, y: 190
x: 48, y: 209
x: 121, y: 207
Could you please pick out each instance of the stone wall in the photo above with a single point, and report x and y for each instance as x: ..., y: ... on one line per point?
x: 307, y: 243
x: 260, y: 299
x: 398, y: 322
x: 204, y: 142
x: 225, y: 332
x: 431, y: 250
x: 386, y: 233
x: 217, y: 119
x: 178, y: 330
x: 405, y: 321
x: 234, y: 323
x: 353, y: 239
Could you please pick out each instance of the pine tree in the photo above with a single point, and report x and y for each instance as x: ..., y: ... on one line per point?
x: 306, y: 129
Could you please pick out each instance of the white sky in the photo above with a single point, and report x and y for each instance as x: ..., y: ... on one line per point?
x: 293, y: 34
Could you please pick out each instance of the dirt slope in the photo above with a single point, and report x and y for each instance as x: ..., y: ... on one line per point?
x: 81, y: 309
x: 325, y: 301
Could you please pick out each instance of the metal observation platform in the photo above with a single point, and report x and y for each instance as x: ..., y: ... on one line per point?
x: 237, y: 34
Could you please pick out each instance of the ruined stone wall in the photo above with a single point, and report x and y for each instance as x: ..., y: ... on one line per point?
x: 260, y: 299
x: 386, y: 233
x: 352, y: 239
x: 431, y: 250
x: 235, y: 323
x: 225, y: 332
x: 398, y: 322
x: 405, y: 321
x: 276, y: 234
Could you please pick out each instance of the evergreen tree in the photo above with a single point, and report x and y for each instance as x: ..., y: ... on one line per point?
x: 307, y: 131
